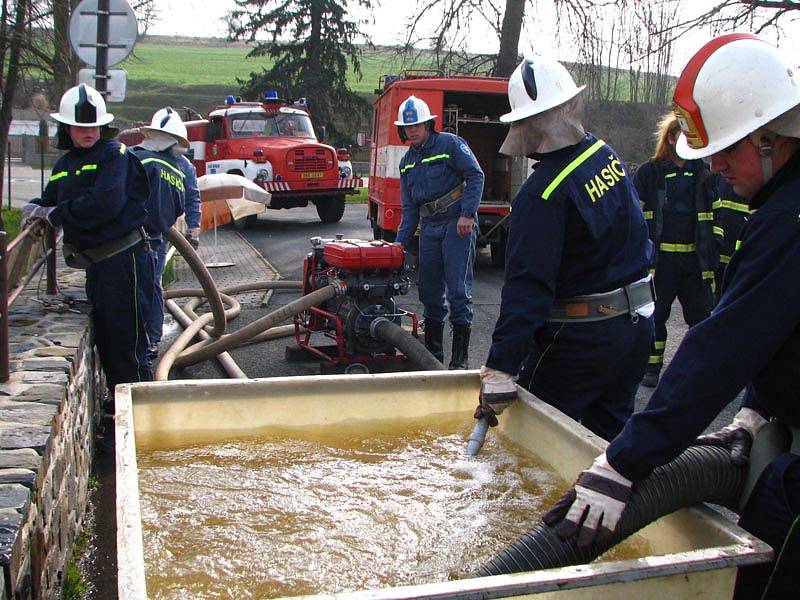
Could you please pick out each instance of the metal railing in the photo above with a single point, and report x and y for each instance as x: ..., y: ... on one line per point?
x: 17, y: 271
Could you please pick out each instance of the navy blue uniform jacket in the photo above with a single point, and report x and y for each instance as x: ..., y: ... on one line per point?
x: 651, y: 184
x: 576, y: 228
x: 751, y: 337
x: 442, y: 162
x: 167, y: 189
x: 100, y: 194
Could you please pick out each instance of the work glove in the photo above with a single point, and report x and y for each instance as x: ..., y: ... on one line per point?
x: 591, y: 510
x: 193, y: 237
x: 498, y: 391
x: 737, y: 437
x: 32, y: 211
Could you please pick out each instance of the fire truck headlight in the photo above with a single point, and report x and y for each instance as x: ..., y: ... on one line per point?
x: 264, y: 174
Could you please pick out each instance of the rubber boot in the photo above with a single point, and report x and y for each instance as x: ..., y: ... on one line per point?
x: 434, y: 334
x: 458, y: 359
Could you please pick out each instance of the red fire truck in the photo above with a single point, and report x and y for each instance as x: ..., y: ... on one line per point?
x: 274, y: 144
x: 466, y: 106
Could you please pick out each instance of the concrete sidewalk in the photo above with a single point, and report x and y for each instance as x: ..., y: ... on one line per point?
x: 232, y: 260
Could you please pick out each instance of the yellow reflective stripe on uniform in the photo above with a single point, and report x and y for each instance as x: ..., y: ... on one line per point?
x: 122, y: 148
x: 648, y: 214
x: 730, y: 204
x: 676, y: 247
x: 58, y: 175
x: 659, y: 345
x: 655, y: 360
x: 670, y: 175
x: 165, y: 163
x: 433, y: 158
x: 571, y: 167
x: 717, y: 230
x: 86, y: 168
x: 651, y: 271
x: 408, y: 167
x: 738, y: 244
x: 705, y: 216
x: 708, y: 275
x: 724, y: 259
x: 688, y: 174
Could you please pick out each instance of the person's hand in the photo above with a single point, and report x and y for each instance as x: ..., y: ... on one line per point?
x: 498, y: 391
x: 193, y: 237
x: 32, y: 211
x: 464, y: 226
x: 591, y: 510
x: 737, y: 437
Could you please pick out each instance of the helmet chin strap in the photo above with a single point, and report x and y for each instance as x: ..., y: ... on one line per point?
x: 764, y: 141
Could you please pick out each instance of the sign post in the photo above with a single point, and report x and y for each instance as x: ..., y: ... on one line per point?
x: 102, y: 33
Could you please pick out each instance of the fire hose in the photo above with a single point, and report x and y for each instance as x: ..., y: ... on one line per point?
x: 699, y: 474
x: 210, y: 327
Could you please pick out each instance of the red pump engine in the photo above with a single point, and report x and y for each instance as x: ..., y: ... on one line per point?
x: 373, y: 273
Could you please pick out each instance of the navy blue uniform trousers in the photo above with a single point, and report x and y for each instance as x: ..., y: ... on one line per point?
x: 590, y: 371
x: 772, y: 511
x: 119, y: 290
x: 678, y: 276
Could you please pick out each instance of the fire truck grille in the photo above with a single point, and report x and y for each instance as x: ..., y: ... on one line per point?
x: 310, y: 159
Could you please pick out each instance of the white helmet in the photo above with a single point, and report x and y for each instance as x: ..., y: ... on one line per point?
x: 412, y: 112
x: 82, y: 106
x: 167, y: 121
x: 731, y: 87
x: 538, y: 85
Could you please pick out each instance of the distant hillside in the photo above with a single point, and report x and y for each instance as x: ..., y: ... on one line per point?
x: 199, y: 72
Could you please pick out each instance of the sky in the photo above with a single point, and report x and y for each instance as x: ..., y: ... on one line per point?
x: 183, y: 17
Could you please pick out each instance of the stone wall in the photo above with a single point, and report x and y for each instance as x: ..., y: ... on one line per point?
x: 46, y: 445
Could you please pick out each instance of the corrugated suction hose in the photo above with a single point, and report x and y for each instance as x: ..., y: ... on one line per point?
x: 700, y: 474
x: 383, y: 329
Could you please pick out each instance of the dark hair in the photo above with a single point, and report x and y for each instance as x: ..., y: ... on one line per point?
x: 402, y: 133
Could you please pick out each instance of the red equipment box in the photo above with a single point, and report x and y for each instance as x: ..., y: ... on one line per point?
x: 363, y: 256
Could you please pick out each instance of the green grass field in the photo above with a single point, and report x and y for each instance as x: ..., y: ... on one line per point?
x: 199, y: 75
x: 214, y: 66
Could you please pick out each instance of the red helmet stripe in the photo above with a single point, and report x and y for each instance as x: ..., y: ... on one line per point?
x: 683, y: 98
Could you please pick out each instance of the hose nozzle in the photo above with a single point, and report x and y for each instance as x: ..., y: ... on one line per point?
x: 478, y: 436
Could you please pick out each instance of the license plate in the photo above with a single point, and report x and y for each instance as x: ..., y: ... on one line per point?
x: 314, y: 175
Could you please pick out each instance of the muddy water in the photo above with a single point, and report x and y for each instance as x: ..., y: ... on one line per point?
x: 325, y: 511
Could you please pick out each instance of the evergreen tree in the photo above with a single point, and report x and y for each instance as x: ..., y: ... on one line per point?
x: 311, y: 44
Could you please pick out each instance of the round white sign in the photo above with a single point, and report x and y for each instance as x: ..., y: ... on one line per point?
x: 122, y: 31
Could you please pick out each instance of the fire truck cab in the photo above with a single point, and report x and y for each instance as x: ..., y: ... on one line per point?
x: 466, y: 106
x: 273, y: 143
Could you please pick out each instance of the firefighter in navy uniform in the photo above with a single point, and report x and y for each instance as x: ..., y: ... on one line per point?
x: 441, y: 184
x: 98, y: 194
x: 677, y: 197
x: 738, y: 101
x: 577, y: 298
x: 730, y: 214
x: 161, y: 155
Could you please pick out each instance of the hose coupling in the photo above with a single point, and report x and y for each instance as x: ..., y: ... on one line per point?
x: 373, y: 326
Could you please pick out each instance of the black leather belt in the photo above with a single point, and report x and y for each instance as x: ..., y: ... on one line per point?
x: 597, y: 307
x: 442, y: 203
x: 80, y: 259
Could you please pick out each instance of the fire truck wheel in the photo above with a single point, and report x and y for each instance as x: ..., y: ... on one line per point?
x: 388, y: 235
x: 330, y: 209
